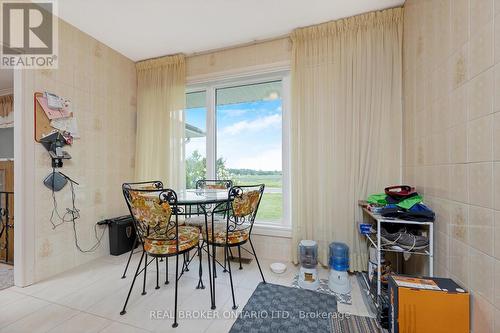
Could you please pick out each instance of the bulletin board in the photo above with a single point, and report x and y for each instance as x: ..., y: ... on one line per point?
x: 42, y: 122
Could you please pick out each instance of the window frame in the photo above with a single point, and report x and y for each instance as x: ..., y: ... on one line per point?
x: 277, y: 228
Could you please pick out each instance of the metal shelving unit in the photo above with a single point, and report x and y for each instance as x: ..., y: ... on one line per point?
x: 375, y: 240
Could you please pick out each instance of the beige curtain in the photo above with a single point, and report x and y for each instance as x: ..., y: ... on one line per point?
x: 160, y: 124
x: 346, y: 125
x: 6, y: 111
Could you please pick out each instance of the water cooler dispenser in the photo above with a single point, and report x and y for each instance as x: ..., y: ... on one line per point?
x: 339, y: 264
x: 308, y: 274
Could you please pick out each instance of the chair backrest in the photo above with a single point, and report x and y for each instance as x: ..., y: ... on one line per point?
x: 152, y: 210
x: 244, y: 204
x: 149, y: 185
x: 214, y: 184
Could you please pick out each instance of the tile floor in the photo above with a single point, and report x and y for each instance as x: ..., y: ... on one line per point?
x: 6, y: 276
x: 90, y: 297
x: 5, y: 266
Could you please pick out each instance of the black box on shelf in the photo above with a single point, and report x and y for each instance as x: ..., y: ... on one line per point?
x: 121, y: 234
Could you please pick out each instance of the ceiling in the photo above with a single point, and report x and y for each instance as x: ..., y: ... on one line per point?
x: 6, y: 79
x: 151, y: 28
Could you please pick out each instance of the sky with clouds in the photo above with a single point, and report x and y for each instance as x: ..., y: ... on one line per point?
x: 248, y: 134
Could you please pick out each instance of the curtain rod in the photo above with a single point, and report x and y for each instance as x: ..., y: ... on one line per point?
x: 253, y: 42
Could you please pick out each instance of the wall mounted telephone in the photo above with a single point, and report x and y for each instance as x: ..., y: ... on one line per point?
x: 54, y: 144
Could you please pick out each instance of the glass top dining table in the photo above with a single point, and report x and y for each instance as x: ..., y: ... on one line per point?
x: 205, y: 197
x: 201, y: 196
x: 192, y: 197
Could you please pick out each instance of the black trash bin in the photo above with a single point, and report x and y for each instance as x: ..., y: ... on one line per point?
x: 121, y: 234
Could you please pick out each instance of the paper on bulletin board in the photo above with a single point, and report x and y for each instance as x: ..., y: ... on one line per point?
x: 52, y: 114
x: 68, y: 124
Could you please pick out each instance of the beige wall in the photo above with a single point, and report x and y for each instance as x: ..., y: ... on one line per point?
x: 101, y: 85
x: 239, y: 59
x: 452, y: 139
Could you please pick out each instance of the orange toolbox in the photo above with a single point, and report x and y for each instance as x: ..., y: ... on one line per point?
x: 427, y: 305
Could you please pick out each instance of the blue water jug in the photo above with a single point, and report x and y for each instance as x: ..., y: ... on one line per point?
x: 339, y: 256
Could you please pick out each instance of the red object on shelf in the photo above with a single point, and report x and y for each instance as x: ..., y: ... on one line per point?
x: 399, y: 191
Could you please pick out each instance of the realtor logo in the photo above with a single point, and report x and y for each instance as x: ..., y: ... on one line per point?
x: 29, y: 34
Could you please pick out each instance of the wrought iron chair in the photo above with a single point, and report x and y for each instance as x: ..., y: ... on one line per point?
x: 160, y: 235
x: 243, y: 204
x: 209, y: 184
x: 151, y: 185
x: 198, y: 220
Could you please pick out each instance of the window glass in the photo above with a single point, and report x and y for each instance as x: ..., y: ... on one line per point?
x: 249, y: 141
x: 196, y: 141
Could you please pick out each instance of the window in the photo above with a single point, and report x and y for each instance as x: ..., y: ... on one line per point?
x: 236, y: 131
x: 196, y: 132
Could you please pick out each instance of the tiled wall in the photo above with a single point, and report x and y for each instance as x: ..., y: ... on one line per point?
x: 101, y: 85
x: 269, y: 247
x: 452, y: 139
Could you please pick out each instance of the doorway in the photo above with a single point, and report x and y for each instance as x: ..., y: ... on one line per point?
x: 6, y: 178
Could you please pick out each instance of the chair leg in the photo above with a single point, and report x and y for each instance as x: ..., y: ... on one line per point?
x: 257, y: 259
x: 215, y: 273
x: 132, y: 285
x: 225, y: 260
x: 212, y: 303
x: 200, y: 282
x: 185, y: 264
x: 239, y: 255
x: 212, y: 300
x: 129, y: 257
x: 214, y: 260
x: 157, y: 275
x: 175, y: 324
x: 166, y: 270
x: 230, y: 276
x: 145, y: 270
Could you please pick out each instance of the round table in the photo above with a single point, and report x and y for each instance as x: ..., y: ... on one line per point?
x: 206, y: 200
x: 201, y: 196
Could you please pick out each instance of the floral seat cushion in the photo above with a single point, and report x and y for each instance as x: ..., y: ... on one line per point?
x: 246, y: 203
x: 149, y: 187
x: 160, y: 244
x: 234, y: 237
x: 149, y: 211
x: 216, y: 187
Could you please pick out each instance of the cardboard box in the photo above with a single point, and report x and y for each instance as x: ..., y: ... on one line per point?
x: 427, y: 305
